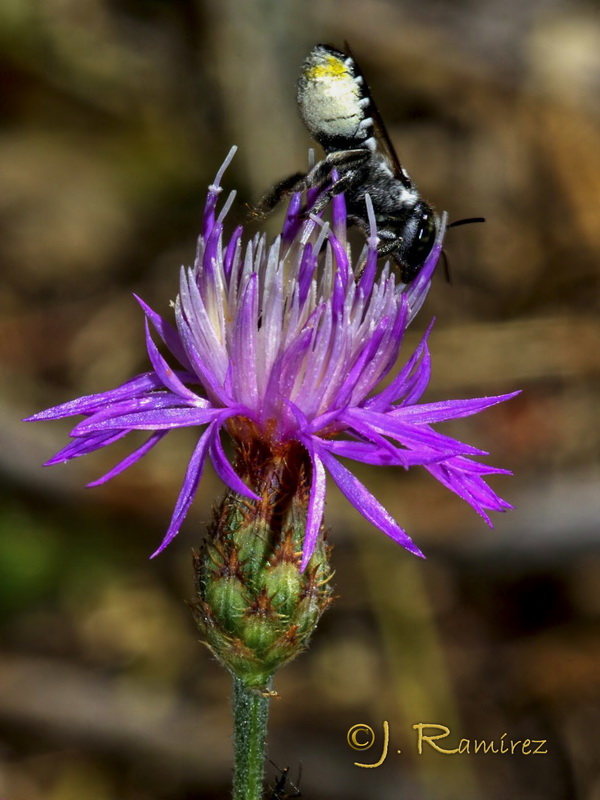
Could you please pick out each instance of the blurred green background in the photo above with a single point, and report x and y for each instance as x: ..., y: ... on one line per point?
x: 115, y: 116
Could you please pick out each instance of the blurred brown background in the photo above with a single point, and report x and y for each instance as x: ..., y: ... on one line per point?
x: 115, y: 117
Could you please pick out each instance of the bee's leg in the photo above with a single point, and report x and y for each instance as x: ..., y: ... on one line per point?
x: 298, y: 182
x: 360, y: 223
x: 388, y: 242
x: 318, y: 176
x: 293, y: 183
x: 341, y: 158
x: 392, y: 245
x: 321, y: 172
x: 343, y: 183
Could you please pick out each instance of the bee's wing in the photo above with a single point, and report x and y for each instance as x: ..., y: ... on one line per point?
x: 383, y: 138
x: 385, y: 145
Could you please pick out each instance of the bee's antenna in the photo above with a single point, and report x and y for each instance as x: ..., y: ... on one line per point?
x: 455, y: 224
x: 466, y: 221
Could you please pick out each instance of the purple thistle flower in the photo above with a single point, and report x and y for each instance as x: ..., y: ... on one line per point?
x: 282, y: 344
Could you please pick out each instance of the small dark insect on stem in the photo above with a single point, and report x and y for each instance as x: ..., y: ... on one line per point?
x: 283, y: 782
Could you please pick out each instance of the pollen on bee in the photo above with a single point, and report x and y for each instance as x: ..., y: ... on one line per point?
x: 332, y: 68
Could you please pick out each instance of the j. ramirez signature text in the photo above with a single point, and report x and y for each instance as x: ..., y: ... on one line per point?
x: 431, y: 735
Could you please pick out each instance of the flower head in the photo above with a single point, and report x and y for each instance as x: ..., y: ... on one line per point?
x: 287, y: 345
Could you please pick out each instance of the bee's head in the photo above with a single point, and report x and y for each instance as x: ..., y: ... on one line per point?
x: 418, y: 239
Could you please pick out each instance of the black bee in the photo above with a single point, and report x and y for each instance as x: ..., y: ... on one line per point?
x: 338, y: 110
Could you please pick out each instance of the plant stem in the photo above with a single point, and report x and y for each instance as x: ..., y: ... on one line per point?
x: 250, y: 713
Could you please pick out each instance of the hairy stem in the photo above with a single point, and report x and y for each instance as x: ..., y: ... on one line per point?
x: 250, y: 713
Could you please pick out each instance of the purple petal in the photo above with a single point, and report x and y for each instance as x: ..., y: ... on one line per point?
x: 398, y: 386
x: 456, y: 484
x: 365, y: 452
x: 245, y: 326
x: 475, y: 467
x: 322, y: 421
x: 284, y: 373
x: 167, y: 333
x: 470, y: 487
x: 154, y: 400
x: 293, y: 218
x: 206, y: 376
x: 84, y: 445
x: 306, y: 273
x: 151, y: 419
x: 428, y: 413
x: 164, y: 371
x: 316, y: 504
x: 311, y: 196
x: 357, y: 371
x: 338, y: 296
x: 409, y: 435
x: 418, y: 381
x: 193, y: 312
x: 338, y: 216
x: 341, y: 260
x: 153, y: 440
x: 366, y: 504
x: 468, y: 474
x: 381, y: 365
x: 213, y: 193
x: 232, y: 250
x: 211, y: 254
x: 92, y: 402
x: 371, y: 452
x: 190, y: 485
x: 416, y: 292
x: 226, y: 472
x: 367, y: 278
x: 368, y: 432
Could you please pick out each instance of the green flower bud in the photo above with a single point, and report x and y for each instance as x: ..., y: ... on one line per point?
x: 255, y: 609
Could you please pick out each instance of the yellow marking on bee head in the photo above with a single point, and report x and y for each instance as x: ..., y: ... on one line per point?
x: 332, y: 68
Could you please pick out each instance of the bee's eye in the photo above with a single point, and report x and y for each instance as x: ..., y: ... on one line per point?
x: 419, y: 246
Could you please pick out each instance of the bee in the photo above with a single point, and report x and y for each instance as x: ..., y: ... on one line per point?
x: 336, y: 106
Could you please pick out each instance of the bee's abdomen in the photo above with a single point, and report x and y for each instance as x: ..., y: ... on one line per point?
x: 332, y: 101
